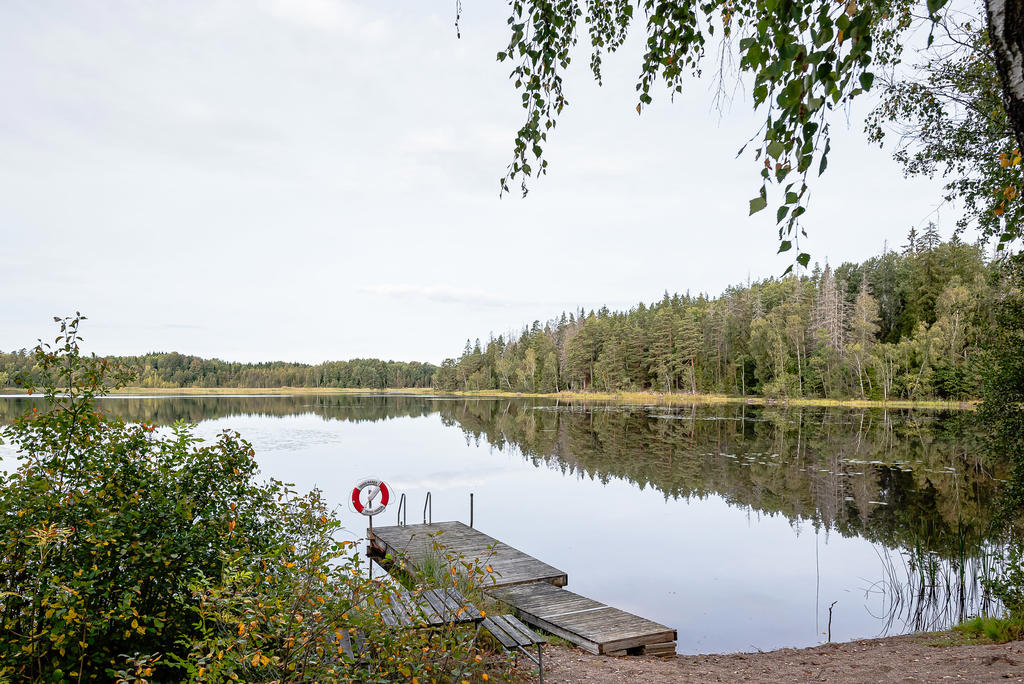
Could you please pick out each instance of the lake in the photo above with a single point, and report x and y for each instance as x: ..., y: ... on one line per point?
x: 738, y: 525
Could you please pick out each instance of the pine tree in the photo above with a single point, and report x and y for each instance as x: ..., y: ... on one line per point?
x: 911, y: 247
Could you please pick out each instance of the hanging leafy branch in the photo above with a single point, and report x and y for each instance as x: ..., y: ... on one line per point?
x: 950, y: 120
x: 807, y: 58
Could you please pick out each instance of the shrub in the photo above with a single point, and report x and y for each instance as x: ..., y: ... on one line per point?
x: 137, y: 555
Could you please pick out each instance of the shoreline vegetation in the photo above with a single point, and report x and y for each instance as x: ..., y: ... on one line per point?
x: 637, y: 398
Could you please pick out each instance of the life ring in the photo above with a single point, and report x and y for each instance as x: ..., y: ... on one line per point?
x: 372, y: 487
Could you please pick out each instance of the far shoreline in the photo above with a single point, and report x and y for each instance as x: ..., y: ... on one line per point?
x: 630, y: 398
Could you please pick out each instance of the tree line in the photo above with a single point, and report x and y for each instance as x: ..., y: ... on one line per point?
x: 907, y: 324
x: 172, y: 369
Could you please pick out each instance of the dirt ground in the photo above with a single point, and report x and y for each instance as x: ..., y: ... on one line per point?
x: 915, y: 658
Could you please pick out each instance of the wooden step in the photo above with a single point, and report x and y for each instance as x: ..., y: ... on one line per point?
x: 589, y: 624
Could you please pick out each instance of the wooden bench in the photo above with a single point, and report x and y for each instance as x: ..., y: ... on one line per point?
x: 514, y: 636
x: 426, y: 608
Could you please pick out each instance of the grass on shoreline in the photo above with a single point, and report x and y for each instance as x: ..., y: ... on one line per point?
x: 642, y: 398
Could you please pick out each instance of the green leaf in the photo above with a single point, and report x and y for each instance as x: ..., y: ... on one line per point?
x: 758, y: 203
x: 866, y: 79
x: 824, y: 158
x: 785, y: 245
x: 803, y: 259
x: 775, y: 149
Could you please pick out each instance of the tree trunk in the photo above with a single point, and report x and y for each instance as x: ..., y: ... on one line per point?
x: 1006, y: 32
x: 799, y: 371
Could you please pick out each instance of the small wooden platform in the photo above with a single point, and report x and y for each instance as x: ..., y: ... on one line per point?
x: 416, y: 542
x: 589, y: 624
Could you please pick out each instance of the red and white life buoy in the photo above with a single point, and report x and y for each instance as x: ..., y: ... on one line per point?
x: 366, y: 492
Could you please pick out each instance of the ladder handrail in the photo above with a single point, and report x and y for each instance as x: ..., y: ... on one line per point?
x: 428, y: 505
x: 403, y: 510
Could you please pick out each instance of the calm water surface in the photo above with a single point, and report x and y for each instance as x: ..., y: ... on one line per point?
x: 739, y: 526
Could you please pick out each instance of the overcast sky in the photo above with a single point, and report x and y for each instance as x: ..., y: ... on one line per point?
x: 318, y: 179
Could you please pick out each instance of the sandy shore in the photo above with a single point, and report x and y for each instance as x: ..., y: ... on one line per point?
x: 916, y: 658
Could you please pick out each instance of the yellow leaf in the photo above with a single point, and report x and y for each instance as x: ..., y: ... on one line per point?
x: 256, y: 659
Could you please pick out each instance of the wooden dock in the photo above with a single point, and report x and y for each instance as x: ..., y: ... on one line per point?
x: 531, y: 587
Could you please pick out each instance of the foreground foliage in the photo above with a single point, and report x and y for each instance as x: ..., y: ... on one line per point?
x: 141, y: 555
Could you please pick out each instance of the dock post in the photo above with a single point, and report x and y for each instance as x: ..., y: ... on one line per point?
x: 471, y: 509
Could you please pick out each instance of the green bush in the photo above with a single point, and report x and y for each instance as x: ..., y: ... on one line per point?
x: 137, y: 555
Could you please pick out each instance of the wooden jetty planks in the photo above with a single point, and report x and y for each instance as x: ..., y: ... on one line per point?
x: 416, y: 542
x: 528, y: 585
x: 589, y: 624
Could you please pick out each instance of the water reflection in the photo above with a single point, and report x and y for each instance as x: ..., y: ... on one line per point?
x: 914, y: 484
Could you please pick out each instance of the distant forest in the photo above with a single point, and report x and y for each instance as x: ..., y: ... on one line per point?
x: 907, y: 324
x: 178, y: 370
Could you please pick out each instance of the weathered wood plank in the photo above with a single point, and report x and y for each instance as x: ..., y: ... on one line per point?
x: 470, y: 610
x: 436, y: 603
x: 398, y: 607
x: 531, y: 636
x: 345, y: 644
x: 499, y: 633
